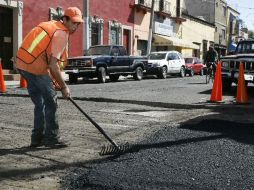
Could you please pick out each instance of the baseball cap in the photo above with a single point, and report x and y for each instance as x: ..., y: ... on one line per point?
x: 74, y: 14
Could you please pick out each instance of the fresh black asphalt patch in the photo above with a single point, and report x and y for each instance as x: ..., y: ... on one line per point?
x: 210, y: 154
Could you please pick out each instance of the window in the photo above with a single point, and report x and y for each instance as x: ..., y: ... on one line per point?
x: 223, y: 34
x: 224, y: 11
x: 95, y: 34
x: 114, y: 36
x: 96, y: 31
x: 161, y: 5
x: 115, y: 33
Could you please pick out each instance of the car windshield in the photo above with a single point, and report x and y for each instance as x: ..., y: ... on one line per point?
x: 188, y: 60
x: 156, y: 56
x: 99, y: 50
x: 245, y: 47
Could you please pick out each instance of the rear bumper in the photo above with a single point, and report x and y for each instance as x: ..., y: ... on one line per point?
x: 152, y: 69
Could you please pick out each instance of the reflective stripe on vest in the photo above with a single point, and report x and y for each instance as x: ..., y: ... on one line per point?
x: 36, y: 41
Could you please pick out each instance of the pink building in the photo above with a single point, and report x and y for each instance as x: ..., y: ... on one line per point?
x: 109, y: 22
x: 106, y: 22
x: 18, y: 17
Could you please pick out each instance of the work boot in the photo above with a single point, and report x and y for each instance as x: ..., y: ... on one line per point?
x: 55, y: 143
x: 36, y: 141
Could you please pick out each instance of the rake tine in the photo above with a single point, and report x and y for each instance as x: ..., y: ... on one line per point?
x: 111, y: 150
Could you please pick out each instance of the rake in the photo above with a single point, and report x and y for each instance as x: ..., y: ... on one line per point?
x: 109, y: 149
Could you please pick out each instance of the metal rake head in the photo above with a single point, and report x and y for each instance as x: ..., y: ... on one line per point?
x: 113, y: 150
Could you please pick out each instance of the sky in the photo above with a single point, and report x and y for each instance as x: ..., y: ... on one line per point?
x: 246, y: 10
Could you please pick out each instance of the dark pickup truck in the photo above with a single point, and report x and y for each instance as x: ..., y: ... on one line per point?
x: 103, y: 60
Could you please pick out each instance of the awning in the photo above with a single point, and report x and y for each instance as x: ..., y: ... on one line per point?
x: 160, y: 40
x: 231, y: 47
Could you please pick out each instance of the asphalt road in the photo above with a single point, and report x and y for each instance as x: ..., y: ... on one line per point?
x: 180, y: 140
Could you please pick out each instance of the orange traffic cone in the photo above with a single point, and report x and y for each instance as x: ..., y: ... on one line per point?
x: 216, y: 95
x: 2, y: 83
x: 23, y: 83
x: 242, y: 96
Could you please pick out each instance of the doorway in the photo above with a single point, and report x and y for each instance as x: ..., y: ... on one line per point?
x: 126, y: 40
x: 6, y: 37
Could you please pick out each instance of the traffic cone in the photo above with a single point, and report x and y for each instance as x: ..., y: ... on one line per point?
x: 216, y: 95
x: 241, y: 96
x: 23, y: 83
x: 2, y: 83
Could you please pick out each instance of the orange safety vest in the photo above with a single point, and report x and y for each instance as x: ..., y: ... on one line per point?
x: 37, y: 41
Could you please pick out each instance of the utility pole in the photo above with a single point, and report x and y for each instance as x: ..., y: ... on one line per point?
x: 220, y: 38
x: 86, y: 38
x: 150, y: 35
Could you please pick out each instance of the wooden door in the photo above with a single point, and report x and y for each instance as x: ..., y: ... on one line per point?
x: 126, y: 40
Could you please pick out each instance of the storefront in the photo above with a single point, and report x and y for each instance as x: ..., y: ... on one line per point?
x: 165, y: 38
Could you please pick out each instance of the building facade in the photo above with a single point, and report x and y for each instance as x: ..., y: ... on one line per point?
x: 199, y: 32
x: 214, y: 12
x: 233, y: 28
x: 109, y: 22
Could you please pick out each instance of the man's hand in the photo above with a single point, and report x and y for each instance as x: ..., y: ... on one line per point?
x: 66, y: 92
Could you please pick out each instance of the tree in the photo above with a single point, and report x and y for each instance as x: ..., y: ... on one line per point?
x: 251, y: 33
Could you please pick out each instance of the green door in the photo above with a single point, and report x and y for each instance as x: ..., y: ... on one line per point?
x: 6, y: 37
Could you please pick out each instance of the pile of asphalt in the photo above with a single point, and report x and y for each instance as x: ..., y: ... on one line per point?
x: 211, y: 154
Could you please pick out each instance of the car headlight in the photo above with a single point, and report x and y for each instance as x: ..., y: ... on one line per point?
x: 225, y: 64
x: 89, y: 63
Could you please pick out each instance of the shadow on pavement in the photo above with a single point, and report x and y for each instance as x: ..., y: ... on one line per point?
x: 241, y: 132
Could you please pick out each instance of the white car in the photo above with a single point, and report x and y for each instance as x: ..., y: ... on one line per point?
x: 165, y: 62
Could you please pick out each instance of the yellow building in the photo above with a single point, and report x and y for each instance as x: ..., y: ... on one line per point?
x: 198, y: 32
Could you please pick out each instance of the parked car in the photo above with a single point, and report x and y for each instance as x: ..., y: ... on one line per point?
x: 165, y: 62
x: 194, y: 66
x: 103, y: 60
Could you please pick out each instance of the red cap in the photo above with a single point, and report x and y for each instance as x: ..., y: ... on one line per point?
x: 74, y: 13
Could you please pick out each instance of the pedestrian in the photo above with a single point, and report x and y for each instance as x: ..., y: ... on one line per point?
x: 40, y: 59
x: 211, y: 58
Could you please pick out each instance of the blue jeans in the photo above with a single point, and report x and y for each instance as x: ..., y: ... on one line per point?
x: 44, y: 97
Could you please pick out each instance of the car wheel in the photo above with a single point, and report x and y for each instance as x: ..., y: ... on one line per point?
x: 114, y: 78
x: 138, y: 75
x: 191, y: 73
x: 73, y: 79
x: 202, y: 72
x: 101, y: 75
x: 182, y: 72
x: 162, y: 73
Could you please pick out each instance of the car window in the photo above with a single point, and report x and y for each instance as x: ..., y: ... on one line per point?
x: 115, y: 51
x: 123, y: 51
x: 157, y: 56
x: 175, y: 56
x: 170, y: 56
x: 246, y: 47
x: 188, y: 60
x: 180, y: 55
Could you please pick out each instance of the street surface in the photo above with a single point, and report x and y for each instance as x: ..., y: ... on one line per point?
x: 181, y: 140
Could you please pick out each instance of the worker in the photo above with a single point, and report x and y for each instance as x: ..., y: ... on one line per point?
x: 40, y: 59
x: 211, y: 58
